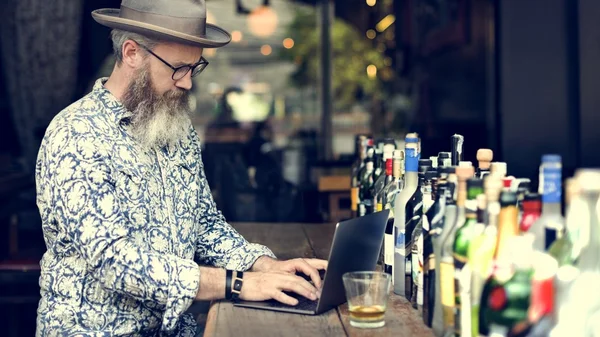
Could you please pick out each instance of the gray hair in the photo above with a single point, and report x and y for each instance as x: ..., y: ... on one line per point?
x: 119, y: 37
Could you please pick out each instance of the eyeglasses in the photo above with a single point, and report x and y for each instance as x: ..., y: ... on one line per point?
x: 180, y: 72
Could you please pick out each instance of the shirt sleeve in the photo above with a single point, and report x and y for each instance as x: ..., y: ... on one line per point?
x: 88, y: 213
x: 218, y: 243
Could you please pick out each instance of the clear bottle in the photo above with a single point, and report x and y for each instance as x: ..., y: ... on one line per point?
x: 413, y: 213
x: 384, y: 179
x: 366, y: 190
x: 483, y: 245
x: 551, y: 223
x: 390, y: 192
x: 421, y: 229
x: 411, y: 181
x: 446, y: 270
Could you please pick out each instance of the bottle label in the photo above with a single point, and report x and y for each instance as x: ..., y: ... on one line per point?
x: 552, y: 185
x: 412, y: 160
x: 447, y: 295
x: 400, y: 242
x: 362, y: 209
x: 388, y: 242
x: 379, y: 207
x: 354, y: 199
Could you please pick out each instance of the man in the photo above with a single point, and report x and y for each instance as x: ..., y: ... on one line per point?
x: 126, y: 210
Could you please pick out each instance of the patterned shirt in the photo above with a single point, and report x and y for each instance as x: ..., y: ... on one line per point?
x: 125, y: 228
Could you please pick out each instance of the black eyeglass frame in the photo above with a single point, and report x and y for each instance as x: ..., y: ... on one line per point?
x: 196, y: 68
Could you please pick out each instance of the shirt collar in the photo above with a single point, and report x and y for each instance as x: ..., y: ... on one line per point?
x: 111, y: 103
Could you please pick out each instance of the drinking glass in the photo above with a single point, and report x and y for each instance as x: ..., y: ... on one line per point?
x: 367, y: 293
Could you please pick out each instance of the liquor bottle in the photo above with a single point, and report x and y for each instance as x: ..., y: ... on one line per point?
x: 384, y: 179
x: 437, y: 221
x: 462, y: 174
x: 389, y: 193
x: 498, y: 168
x: 520, y: 186
x: 444, y: 159
x: 413, y: 213
x: 366, y: 190
x: 484, y: 159
x: 507, y: 293
x: 421, y: 228
x: 446, y: 269
x: 437, y: 190
x: 462, y: 271
x: 507, y: 230
x: 563, y: 248
x: 369, y: 153
x: 589, y: 182
x: 483, y: 245
x: 411, y: 181
x: 575, y: 206
x: 551, y: 223
x: 378, y: 161
x: 532, y: 209
x: 434, y: 162
x: 457, y: 149
x: 360, y: 155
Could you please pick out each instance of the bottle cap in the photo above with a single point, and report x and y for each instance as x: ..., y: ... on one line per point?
x: 443, y: 155
x: 551, y: 158
x: 588, y: 179
x: 508, y: 198
x: 389, y: 141
x: 485, y: 157
x: 465, y: 164
x: 498, y: 168
x: 464, y: 173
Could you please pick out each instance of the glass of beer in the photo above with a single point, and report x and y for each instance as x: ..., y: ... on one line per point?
x: 367, y: 293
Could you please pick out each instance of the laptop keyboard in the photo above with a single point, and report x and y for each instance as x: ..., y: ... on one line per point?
x: 303, y: 303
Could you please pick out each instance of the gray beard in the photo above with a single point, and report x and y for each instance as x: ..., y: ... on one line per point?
x: 158, y: 120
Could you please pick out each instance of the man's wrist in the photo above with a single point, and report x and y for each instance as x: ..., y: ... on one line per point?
x: 212, y: 284
x: 263, y: 263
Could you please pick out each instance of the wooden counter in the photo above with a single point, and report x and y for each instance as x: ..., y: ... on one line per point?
x: 304, y: 240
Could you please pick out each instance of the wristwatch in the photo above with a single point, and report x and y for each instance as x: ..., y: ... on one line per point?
x: 232, y: 291
x: 238, y: 282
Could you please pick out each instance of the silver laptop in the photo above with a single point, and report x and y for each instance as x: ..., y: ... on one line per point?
x: 356, y: 246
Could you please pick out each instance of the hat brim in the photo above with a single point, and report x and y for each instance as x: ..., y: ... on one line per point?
x: 215, y: 36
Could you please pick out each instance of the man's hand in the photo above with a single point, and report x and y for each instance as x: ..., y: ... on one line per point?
x: 260, y: 286
x: 309, y: 267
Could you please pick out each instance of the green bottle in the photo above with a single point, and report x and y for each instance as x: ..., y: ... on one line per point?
x: 462, y: 272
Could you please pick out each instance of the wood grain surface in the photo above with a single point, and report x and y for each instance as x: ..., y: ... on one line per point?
x: 290, y: 240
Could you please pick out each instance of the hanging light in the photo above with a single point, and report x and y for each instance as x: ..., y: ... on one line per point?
x: 371, y: 71
x: 371, y: 34
x: 265, y: 49
x: 387, y: 21
x: 371, y: 2
x: 262, y: 21
x: 288, y: 43
x: 236, y: 36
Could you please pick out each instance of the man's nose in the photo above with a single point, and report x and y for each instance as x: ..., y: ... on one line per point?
x: 185, y: 82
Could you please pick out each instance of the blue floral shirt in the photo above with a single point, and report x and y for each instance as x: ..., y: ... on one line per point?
x: 125, y: 228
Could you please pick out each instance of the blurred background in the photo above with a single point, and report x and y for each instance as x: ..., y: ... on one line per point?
x: 279, y: 107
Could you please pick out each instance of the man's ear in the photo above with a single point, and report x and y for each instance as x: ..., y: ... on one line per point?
x: 133, y: 55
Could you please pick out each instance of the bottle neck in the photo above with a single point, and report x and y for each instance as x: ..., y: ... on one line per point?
x: 389, y: 165
x: 507, y: 228
x: 551, y: 208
